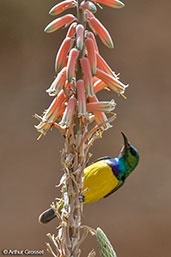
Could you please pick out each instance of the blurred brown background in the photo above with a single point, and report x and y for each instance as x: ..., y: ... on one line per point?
x: 137, y: 218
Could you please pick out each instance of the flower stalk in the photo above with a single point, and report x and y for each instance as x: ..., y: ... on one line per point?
x: 76, y: 111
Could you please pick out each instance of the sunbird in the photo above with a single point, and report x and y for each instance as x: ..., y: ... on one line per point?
x: 103, y: 177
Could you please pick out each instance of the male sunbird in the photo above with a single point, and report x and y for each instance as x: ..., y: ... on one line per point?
x: 105, y: 176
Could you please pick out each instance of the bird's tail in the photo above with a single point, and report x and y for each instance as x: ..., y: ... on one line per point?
x: 47, y: 216
x: 50, y: 214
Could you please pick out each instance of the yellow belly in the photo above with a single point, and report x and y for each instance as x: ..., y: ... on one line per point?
x: 99, y: 180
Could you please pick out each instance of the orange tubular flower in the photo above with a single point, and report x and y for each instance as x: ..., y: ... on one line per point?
x: 66, y: 61
x: 68, y: 113
x: 100, y: 117
x: 62, y: 109
x: 51, y: 114
x: 72, y: 30
x: 98, y: 85
x: 73, y: 56
x: 102, y: 32
x: 61, y: 7
x: 79, y: 37
x: 103, y: 106
x: 81, y: 98
x: 58, y: 83
x: 60, y: 22
x: 95, y: 79
x: 89, y: 6
x: 111, y: 82
x: 88, y: 82
x: 67, y: 84
x: 102, y: 65
x: 89, y: 14
x: 111, y: 3
x: 91, y: 35
x: 62, y: 53
x: 91, y: 55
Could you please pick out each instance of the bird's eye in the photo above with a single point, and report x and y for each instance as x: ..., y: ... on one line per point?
x: 133, y: 152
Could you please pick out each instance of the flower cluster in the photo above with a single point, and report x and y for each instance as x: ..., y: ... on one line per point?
x: 81, y: 71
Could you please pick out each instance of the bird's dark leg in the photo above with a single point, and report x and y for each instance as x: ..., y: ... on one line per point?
x: 82, y: 198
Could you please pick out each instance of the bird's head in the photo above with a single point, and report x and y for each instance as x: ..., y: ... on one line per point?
x: 129, y: 155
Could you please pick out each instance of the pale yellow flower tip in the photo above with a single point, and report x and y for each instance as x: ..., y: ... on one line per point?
x: 39, y: 137
x: 124, y: 96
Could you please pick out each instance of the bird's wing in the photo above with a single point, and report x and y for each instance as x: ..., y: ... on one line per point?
x: 102, y: 158
x: 115, y: 189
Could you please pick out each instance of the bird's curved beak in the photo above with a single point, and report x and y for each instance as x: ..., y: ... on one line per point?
x: 126, y: 143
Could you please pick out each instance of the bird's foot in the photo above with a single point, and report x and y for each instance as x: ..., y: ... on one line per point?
x: 82, y: 198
